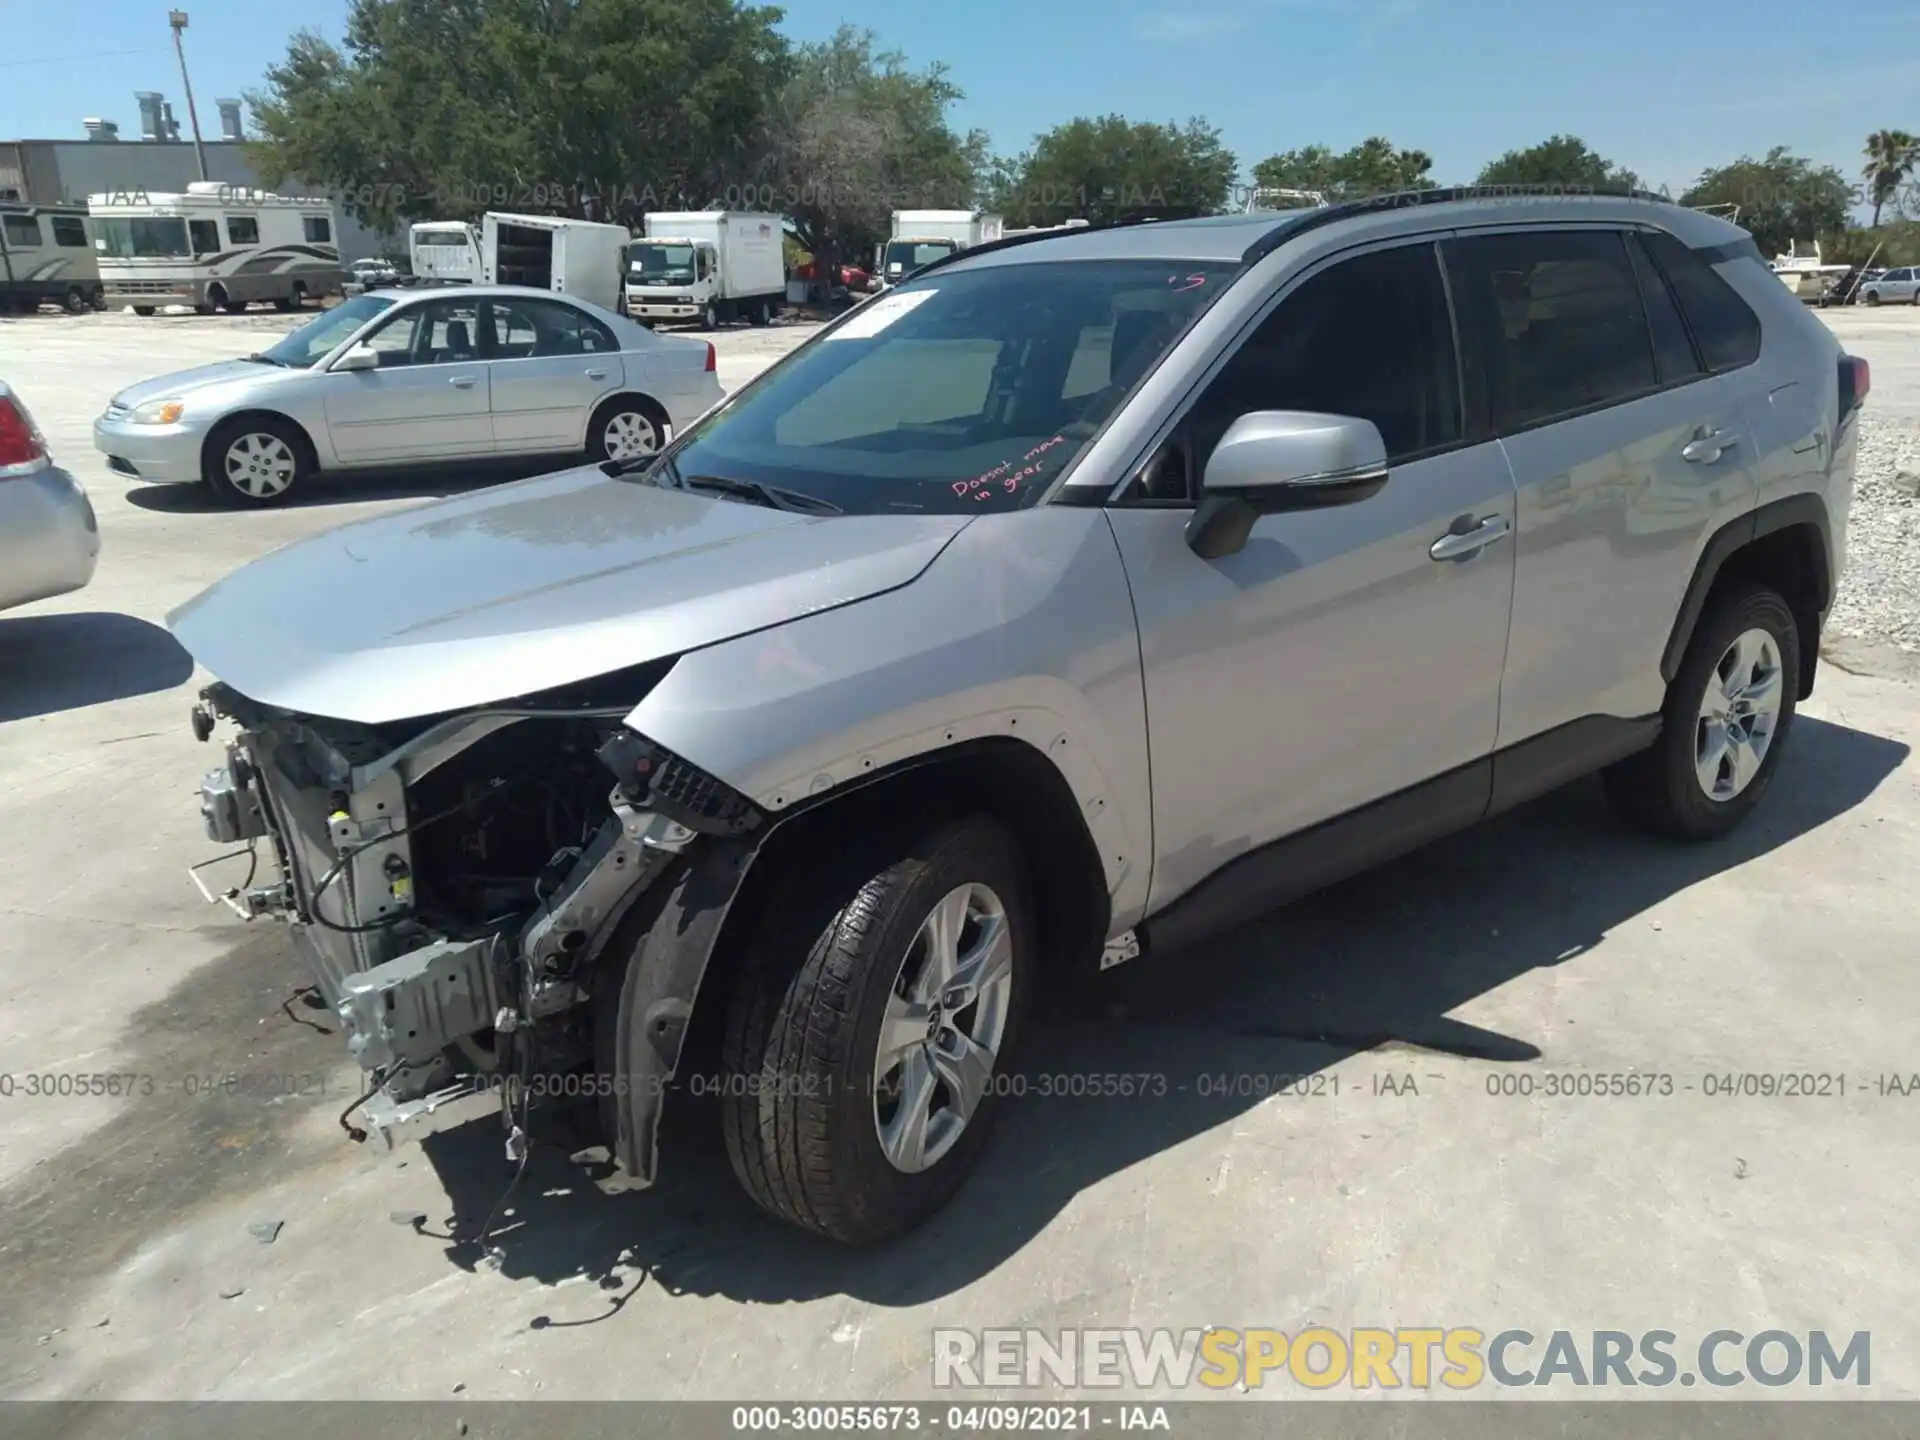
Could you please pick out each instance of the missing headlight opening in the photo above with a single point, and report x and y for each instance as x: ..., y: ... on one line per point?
x: 452, y: 882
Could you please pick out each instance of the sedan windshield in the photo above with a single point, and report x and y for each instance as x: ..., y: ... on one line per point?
x: 321, y: 336
x: 966, y: 391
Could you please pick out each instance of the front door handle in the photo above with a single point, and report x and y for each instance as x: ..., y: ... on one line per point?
x: 1708, y: 445
x: 596, y: 374
x: 1467, y: 538
x: 463, y: 382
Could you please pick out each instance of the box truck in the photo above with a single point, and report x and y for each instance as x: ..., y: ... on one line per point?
x: 920, y: 237
x: 707, y: 265
x: 580, y: 258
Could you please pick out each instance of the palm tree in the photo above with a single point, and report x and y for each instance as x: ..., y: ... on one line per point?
x: 1891, y: 157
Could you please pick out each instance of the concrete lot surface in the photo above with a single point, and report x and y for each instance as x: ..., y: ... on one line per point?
x: 1413, y: 1181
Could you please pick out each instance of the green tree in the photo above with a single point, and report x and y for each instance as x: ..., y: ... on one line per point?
x: 1782, y: 198
x: 1111, y: 168
x: 1891, y: 157
x: 446, y: 108
x: 1563, y: 161
x: 854, y: 134
x: 1376, y: 166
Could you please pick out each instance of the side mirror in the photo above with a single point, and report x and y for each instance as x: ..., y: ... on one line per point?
x: 361, y: 357
x: 1273, y: 461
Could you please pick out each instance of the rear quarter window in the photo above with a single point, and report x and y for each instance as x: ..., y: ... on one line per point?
x: 1724, y: 327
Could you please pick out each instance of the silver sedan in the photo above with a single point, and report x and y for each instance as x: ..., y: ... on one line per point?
x: 49, y: 539
x: 403, y: 377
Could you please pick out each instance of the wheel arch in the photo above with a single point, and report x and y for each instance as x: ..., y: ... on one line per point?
x: 1787, y: 545
x: 657, y: 411
x: 226, y: 424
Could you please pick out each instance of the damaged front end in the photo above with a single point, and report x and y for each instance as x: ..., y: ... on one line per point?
x: 453, y: 883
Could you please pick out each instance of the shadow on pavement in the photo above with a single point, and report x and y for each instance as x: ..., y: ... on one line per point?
x: 1377, y: 962
x: 50, y: 663
x: 356, y: 487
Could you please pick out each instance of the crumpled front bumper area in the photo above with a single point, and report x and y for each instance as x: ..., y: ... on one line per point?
x: 450, y: 1009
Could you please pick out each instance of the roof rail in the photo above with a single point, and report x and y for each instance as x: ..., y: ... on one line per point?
x: 1301, y: 221
x: 1007, y: 242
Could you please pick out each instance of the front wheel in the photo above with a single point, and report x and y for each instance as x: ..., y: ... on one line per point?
x: 257, y: 461
x: 710, y: 317
x: 1872, y: 297
x: 75, y: 301
x: 1725, y: 722
x: 868, y: 1037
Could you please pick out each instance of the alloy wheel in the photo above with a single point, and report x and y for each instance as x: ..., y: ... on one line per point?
x: 1738, y: 715
x: 630, y: 435
x: 945, y: 1022
x: 260, y: 466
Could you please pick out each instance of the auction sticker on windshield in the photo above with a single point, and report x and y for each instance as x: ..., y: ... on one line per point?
x: 878, y: 315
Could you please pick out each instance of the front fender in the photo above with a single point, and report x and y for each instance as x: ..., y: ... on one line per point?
x: 1023, y: 627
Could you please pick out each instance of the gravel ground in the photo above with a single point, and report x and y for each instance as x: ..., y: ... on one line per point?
x: 1880, y: 594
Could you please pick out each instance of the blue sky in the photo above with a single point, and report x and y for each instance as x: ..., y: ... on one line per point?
x: 1667, y: 88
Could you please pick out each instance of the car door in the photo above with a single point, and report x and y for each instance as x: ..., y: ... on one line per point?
x: 1626, y: 453
x: 550, y: 364
x: 1338, y: 658
x: 427, y: 400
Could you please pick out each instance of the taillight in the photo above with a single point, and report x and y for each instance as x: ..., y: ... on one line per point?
x: 23, y: 449
x: 1856, y: 380
x: 712, y: 365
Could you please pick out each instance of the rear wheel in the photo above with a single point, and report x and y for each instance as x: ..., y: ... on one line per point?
x: 1725, y: 722
x: 299, y: 297
x: 627, y: 427
x: 763, y: 313
x: 257, y: 461
x: 870, y: 1029
x: 75, y: 301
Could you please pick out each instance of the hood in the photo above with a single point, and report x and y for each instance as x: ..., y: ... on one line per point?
x: 528, y: 586
x: 181, y: 383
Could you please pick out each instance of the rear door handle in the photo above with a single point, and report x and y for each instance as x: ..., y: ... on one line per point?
x: 463, y: 382
x: 596, y: 374
x: 1458, y: 543
x: 1708, y: 446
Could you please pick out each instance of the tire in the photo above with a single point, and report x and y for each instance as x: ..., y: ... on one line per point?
x: 143, y: 310
x: 627, y: 427
x: 257, y: 461
x: 75, y: 301
x: 805, y: 1096
x: 763, y: 313
x: 1871, y: 298
x: 298, y: 299
x: 710, y: 317
x: 98, y: 299
x: 1664, y: 788
x: 283, y: 303
x: 235, y: 307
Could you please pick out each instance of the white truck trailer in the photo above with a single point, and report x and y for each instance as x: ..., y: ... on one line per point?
x: 581, y: 258
x: 444, y: 252
x: 920, y: 237
x: 707, y: 265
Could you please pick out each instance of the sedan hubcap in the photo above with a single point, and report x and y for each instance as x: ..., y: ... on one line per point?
x: 946, y: 1019
x: 260, y: 466
x: 630, y: 435
x: 1738, y: 715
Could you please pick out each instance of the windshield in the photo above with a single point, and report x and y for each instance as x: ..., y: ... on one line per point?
x: 322, y: 336
x: 660, y: 264
x: 145, y: 235
x: 906, y: 256
x: 958, y: 393
x: 442, y: 237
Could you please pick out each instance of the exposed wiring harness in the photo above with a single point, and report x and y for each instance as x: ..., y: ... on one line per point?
x: 347, y: 856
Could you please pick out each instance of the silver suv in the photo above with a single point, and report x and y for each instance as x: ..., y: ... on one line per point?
x: 1087, y: 593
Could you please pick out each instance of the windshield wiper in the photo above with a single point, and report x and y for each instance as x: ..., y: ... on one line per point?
x: 752, y: 491
x: 264, y: 359
x: 654, y: 470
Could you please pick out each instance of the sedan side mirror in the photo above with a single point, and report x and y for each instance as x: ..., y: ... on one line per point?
x: 360, y: 357
x: 1273, y: 461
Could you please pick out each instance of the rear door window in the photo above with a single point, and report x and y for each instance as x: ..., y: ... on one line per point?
x: 1727, y: 331
x: 1558, y: 320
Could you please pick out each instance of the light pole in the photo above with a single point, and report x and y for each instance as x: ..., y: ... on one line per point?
x: 177, y: 19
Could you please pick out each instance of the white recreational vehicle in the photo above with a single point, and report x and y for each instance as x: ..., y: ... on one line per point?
x: 46, y: 258
x: 215, y: 246
x: 444, y: 252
